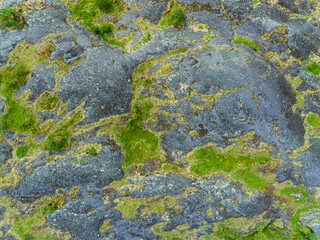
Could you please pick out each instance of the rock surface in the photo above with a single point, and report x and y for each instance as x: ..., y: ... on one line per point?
x: 121, y: 125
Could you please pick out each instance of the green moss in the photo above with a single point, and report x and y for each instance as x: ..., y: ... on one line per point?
x: 12, y: 78
x: 104, y: 30
x: 89, y: 12
x: 139, y: 144
x: 23, y: 59
x: 48, y: 102
x: 313, y: 68
x: 10, y: 19
x: 86, y: 10
x: 255, y: 45
x: 106, y: 6
x: 240, y: 164
x: 29, y: 227
x: 91, y: 151
x: 174, y: 234
x: 175, y: 17
x: 313, y: 120
x: 209, y: 159
x: 18, y: 118
x: 251, y: 179
x: 22, y: 151
x: 57, y: 141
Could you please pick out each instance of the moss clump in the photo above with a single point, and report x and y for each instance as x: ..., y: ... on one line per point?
x: 59, y: 138
x: 48, y: 102
x: 22, y: 151
x: 139, y: 144
x: 30, y: 227
x: 23, y: 60
x: 10, y: 19
x: 255, y: 45
x: 106, y: 6
x: 89, y: 12
x: 18, y: 118
x: 240, y: 164
x: 175, y: 17
x: 313, y: 68
x: 91, y: 151
x: 12, y: 78
x: 57, y: 141
x: 104, y: 30
x: 313, y: 120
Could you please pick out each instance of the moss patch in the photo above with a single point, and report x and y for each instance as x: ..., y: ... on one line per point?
x: 232, y: 160
x: 23, y: 60
x: 313, y: 68
x: 30, y: 227
x: 175, y: 16
x: 48, y: 102
x: 255, y: 45
x: 10, y: 19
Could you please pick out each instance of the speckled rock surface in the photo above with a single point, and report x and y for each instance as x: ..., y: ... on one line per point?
x: 124, y: 125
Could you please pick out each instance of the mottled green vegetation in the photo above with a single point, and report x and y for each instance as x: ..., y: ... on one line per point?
x: 89, y: 12
x: 240, y: 164
x: 167, y: 235
x: 138, y: 144
x: 255, y: 45
x: 313, y: 68
x: 48, y: 102
x: 296, y: 201
x: 91, y: 151
x: 256, y: 3
x: 24, y: 150
x: 175, y: 16
x: 258, y: 228
x: 23, y: 60
x: 10, y: 19
x: 104, y: 30
x: 128, y: 206
x: 313, y: 120
x: 30, y: 227
x: 106, y: 6
x: 18, y: 118
x: 58, y: 139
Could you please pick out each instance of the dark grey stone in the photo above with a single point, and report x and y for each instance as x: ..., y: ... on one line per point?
x: 98, y: 171
x: 40, y: 82
x: 153, y: 12
x: 5, y: 152
x: 41, y: 23
x: 129, y: 17
x: 103, y: 82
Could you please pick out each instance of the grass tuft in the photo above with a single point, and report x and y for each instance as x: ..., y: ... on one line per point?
x: 10, y: 19
x: 48, y: 101
x: 314, y: 68
x: 57, y: 141
x: 175, y: 17
x: 255, y: 45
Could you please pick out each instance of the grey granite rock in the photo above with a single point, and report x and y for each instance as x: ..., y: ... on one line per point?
x: 153, y: 12
x: 5, y: 152
x: 40, y: 82
x: 98, y: 171
x: 103, y: 82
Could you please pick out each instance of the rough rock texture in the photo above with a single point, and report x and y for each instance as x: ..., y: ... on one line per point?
x: 123, y: 127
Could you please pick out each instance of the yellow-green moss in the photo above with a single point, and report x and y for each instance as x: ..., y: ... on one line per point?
x: 30, y: 227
